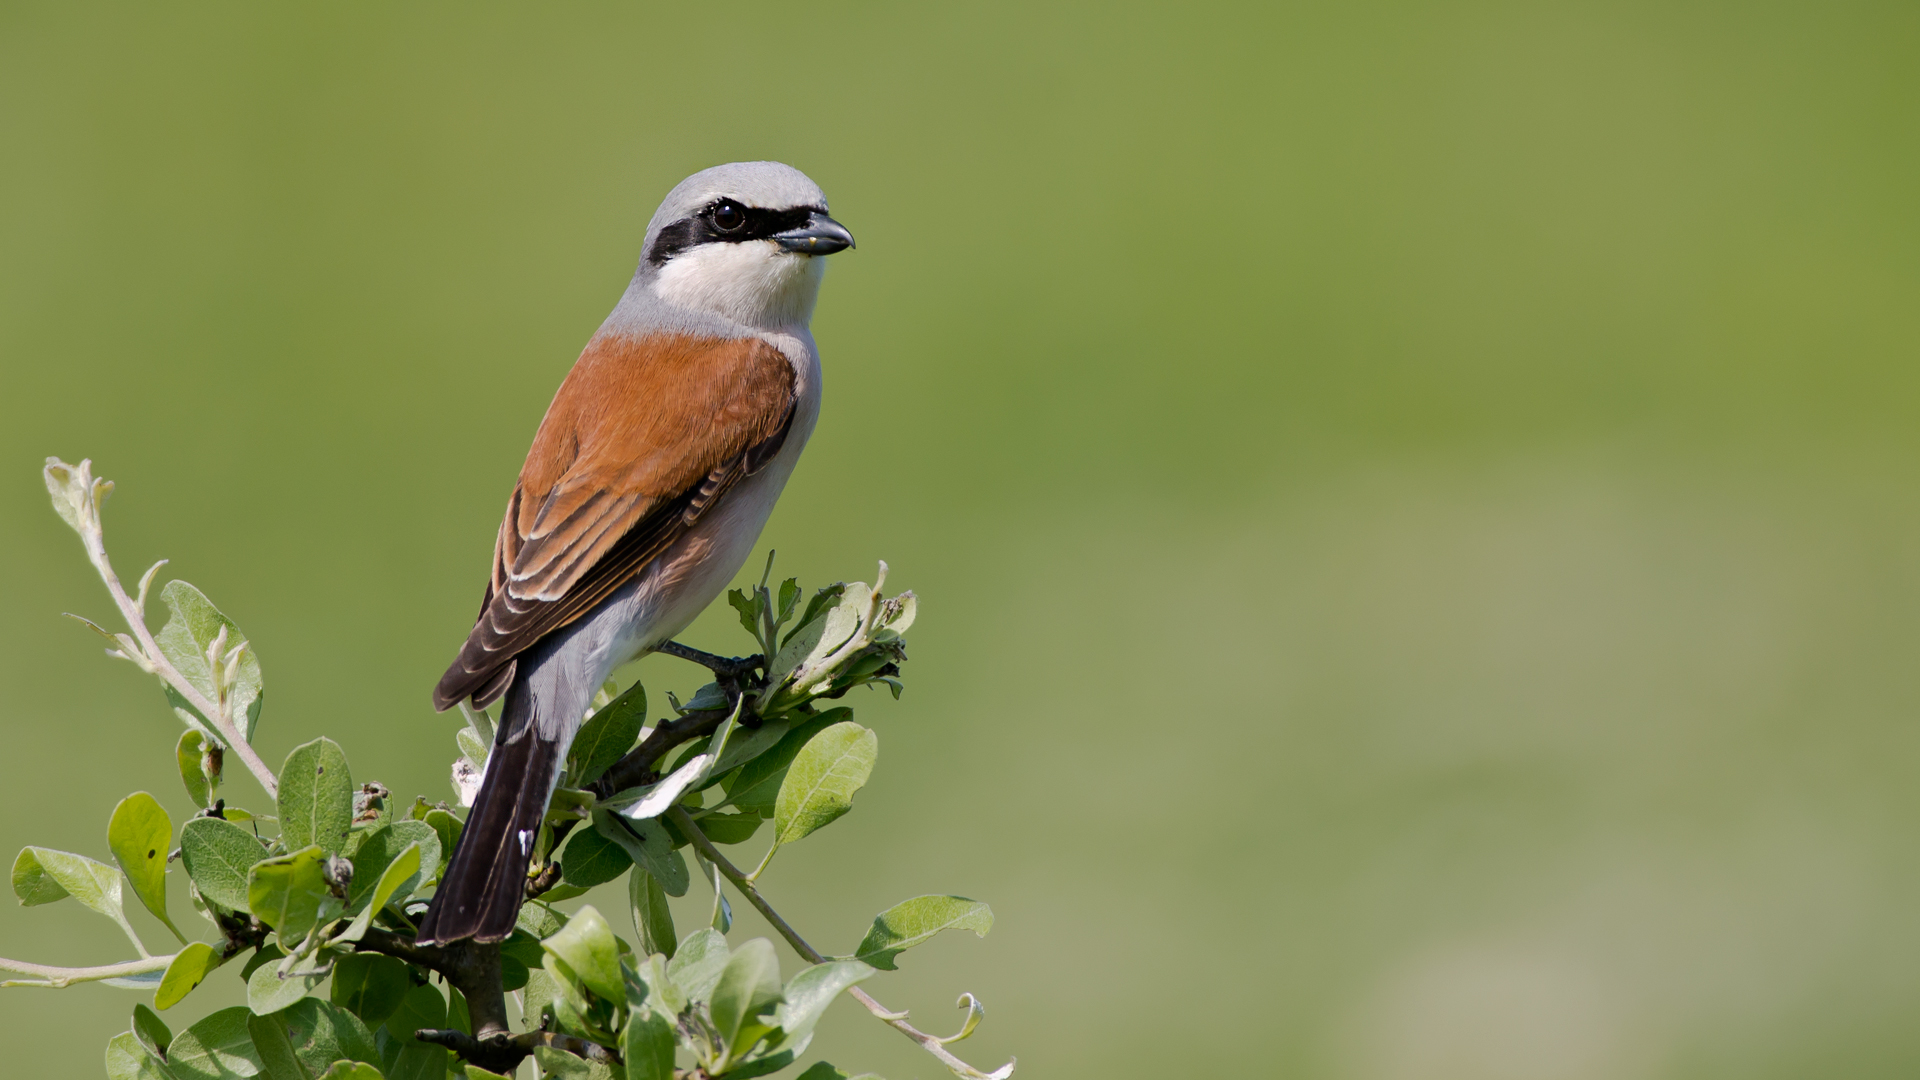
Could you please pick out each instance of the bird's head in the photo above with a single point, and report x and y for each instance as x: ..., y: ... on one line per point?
x: 743, y: 241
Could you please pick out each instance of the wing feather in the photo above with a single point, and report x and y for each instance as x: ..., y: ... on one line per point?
x: 643, y: 438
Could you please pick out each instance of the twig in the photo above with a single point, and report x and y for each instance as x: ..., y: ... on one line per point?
x: 722, y: 666
x: 92, y: 536
x: 503, y: 1053
x: 57, y: 977
x: 637, y: 767
x: 895, y: 1020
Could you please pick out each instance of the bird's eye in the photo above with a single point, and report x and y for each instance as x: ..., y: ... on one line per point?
x: 729, y: 216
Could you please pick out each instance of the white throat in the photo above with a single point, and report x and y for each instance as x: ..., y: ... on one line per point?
x: 755, y: 283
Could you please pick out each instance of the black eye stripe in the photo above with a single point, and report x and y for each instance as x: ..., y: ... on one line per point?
x: 698, y: 228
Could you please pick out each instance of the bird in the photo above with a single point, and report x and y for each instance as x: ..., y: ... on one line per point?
x: 648, y: 483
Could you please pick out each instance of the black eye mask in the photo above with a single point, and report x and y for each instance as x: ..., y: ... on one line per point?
x: 699, y: 228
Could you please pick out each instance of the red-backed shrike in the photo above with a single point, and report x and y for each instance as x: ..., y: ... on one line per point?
x: 645, y: 490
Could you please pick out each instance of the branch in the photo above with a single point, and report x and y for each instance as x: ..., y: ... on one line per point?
x: 471, y: 967
x: 503, y: 1053
x: 58, y: 977
x: 895, y: 1020
x: 637, y: 767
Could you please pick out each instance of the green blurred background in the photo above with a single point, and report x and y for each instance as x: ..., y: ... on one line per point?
x: 1414, y: 503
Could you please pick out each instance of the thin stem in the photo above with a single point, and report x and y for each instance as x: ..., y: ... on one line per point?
x: 127, y: 928
x: 764, y: 860
x: 136, y: 621
x: 63, y: 976
x: 895, y: 1020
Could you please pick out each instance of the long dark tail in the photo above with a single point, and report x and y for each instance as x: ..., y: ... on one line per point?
x: 480, y: 895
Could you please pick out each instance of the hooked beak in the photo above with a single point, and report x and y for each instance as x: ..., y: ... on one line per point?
x: 821, y: 235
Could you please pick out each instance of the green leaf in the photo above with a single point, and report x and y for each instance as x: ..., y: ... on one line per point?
x: 38, y: 872
x: 730, y: 828
x: 42, y: 875
x: 658, y: 992
x: 563, y: 891
x: 31, y: 882
x: 822, y: 599
x: 471, y: 748
x: 139, y: 980
x: 648, y: 1047
x: 761, y: 1065
x: 810, y: 992
x: 398, y: 879
x: 190, y: 968
x: 370, y: 986
x: 323, y: 1033
x: 290, y: 893
x: 385, y: 844
x: 697, y: 964
x: 607, y: 736
x: 789, y: 593
x: 709, y: 696
x: 897, y: 615
x: 127, y: 1059
x: 561, y: 1065
x: 587, y: 946
x: 192, y: 624
x: 411, y: 1059
x: 811, y: 650
x: 744, y: 746
x: 592, y: 859
x: 475, y: 1072
x: 820, y: 784
x: 570, y: 804
x: 540, y: 919
x: 911, y: 922
x: 647, y: 843
x: 651, y: 916
x: 422, y: 1007
x: 748, y: 987
x: 756, y: 787
x: 748, y: 609
x: 316, y: 797
x: 421, y: 1061
x: 514, y: 974
x: 520, y: 955
x: 140, y: 835
x: 191, y: 755
x: 268, y: 992
x: 270, y: 1041
x: 448, y: 828
x: 219, y: 1047
x: 265, y: 954
x: 352, y: 1070
x: 217, y: 855
x: 152, y: 1031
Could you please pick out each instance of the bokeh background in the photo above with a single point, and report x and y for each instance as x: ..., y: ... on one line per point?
x: 1415, y: 504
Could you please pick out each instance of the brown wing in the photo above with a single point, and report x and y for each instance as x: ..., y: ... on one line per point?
x: 644, y: 435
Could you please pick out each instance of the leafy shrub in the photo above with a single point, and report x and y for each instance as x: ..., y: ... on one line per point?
x: 315, y: 904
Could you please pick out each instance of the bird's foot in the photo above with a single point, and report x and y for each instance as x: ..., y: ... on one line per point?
x: 724, y: 668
